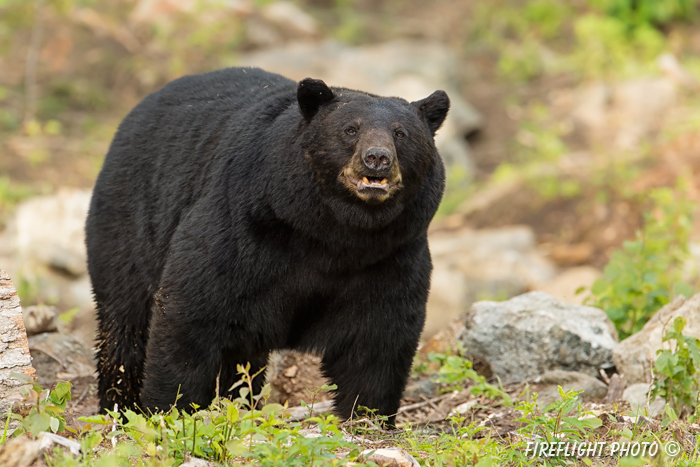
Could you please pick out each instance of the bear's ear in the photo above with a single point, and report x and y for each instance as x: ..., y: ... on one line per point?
x: 311, y: 94
x: 433, y: 109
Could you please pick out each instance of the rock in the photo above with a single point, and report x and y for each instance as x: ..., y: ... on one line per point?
x: 637, y: 394
x: 564, y: 286
x: 640, y: 106
x: 623, y: 113
x: 527, y: 335
x: 163, y: 13
x: 546, y: 386
x: 40, y: 318
x: 294, y: 376
x: 51, y: 229
x: 410, y: 69
x: 424, y: 387
x: 196, y: 462
x: 634, y: 357
x: 471, y: 265
x: 14, y: 349
x: 389, y: 457
x: 20, y: 452
x: 464, y: 408
x: 60, y: 357
x: 290, y: 18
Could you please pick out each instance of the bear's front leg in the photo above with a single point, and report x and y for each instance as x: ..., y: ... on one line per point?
x: 370, y: 342
x: 370, y: 359
x: 372, y: 375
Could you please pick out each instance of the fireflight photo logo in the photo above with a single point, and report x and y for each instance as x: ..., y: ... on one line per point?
x: 600, y: 449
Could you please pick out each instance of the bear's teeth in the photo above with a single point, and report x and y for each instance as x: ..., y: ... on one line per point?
x: 384, y: 181
x: 366, y: 180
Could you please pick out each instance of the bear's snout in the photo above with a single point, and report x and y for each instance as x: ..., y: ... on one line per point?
x: 378, y: 158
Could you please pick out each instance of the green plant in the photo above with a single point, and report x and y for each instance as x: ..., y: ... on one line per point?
x: 46, y: 412
x: 246, y: 430
x: 569, y: 420
x: 455, y: 371
x: 606, y: 47
x: 463, y: 444
x: 647, y: 12
x: 675, y: 371
x: 646, y: 273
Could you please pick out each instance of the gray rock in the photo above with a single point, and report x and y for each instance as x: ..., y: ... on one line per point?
x: 425, y: 387
x: 51, y: 229
x: 389, y: 457
x: 530, y: 334
x: 20, y: 452
x: 60, y: 357
x: 634, y: 357
x: 624, y: 113
x: 290, y: 18
x: 40, y: 318
x: 546, y: 386
x: 637, y: 394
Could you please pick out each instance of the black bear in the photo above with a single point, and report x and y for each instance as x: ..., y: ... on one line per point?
x: 238, y: 212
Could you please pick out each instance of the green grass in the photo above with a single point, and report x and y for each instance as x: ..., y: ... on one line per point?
x: 248, y: 431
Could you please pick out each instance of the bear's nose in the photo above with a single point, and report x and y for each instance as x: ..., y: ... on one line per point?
x: 378, y: 158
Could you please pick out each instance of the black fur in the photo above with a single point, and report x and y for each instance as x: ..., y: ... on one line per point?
x: 219, y: 230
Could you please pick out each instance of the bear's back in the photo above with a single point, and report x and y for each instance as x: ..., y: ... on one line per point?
x: 164, y: 155
x: 228, y: 86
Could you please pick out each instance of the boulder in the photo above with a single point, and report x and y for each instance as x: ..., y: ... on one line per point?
x: 40, y: 318
x: 530, y: 334
x: 637, y: 395
x: 624, y: 113
x: 635, y: 356
x: 61, y: 357
x: 51, y: 230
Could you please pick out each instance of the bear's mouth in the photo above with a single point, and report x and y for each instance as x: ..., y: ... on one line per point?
x: 371, y: 188
x: 369, y: 183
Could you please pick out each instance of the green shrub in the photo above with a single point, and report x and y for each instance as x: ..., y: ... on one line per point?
x: 675, y: 371
x: 607, y: 47
x: 647, y: 12
x: 646, y: 273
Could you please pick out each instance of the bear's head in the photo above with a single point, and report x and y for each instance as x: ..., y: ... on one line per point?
x: 373, y: 152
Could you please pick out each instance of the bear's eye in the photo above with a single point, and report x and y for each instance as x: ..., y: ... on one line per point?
x: 350, y: 131
x: 399, y: 134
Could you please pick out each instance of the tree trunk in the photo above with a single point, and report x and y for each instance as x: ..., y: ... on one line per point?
x: 14, y: 349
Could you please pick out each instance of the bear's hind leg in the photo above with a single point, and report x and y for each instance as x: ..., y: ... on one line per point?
x: 121, y: 351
